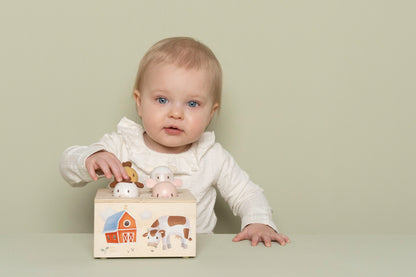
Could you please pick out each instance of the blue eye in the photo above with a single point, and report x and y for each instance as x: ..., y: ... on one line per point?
x: 193, y: 104
x: 162, y: 100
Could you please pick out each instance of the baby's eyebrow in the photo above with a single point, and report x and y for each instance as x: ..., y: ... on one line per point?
x: 162, y: 92
x: 158, y: 90
x: 197, y: 96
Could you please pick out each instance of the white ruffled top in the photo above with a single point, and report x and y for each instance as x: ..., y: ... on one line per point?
x: 206, y: 165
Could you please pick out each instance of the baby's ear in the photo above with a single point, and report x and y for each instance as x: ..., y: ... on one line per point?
x: 215, y: 107
x: 138, y: 99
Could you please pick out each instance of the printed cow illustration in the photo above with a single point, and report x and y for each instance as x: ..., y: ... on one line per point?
x: 166, y: 226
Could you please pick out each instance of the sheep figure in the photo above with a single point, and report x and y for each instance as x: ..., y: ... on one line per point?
x: 163, y: 183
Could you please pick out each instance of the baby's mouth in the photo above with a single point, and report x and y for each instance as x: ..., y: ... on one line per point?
x: 173, y: 130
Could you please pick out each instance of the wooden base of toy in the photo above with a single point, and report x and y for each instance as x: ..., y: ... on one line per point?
x: 120, y: 225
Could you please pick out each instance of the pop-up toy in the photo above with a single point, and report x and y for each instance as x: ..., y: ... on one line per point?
x: 163, y: 183
x: 131, y: 221
x: 127, y: 188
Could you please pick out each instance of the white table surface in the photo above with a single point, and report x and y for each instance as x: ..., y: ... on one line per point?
x: 217, y: 255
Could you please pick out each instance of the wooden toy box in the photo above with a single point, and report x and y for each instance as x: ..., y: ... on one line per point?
x: 122, y: 225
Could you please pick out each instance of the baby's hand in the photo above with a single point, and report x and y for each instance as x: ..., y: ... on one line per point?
x: 108, y: 164
x: 260, y: 232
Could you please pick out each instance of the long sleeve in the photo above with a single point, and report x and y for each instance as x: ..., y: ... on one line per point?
x: 245, y: 198
x: 72, y: 164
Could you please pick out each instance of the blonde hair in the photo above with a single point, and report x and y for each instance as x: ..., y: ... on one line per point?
x: 183, y: 52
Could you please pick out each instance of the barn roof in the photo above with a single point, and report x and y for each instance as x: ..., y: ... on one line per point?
x: 111, y: 224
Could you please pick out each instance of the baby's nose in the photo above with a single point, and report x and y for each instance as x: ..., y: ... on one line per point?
x: 176, y: 113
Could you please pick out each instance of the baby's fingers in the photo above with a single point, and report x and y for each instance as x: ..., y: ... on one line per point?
x: 239, y: 237
x: 254, y: 240
x: 123, y: 172
x: 267, y: 241
x: 119, y: 172
x: 105, y: 168
x: 286, y: 238
x: 281, y: 239
x: 92, y: 173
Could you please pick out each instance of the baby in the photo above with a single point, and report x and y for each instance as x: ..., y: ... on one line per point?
x: 177, y: 92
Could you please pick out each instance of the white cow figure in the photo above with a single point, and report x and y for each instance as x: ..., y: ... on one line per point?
x: 166, y: 226
x: 126, y: 190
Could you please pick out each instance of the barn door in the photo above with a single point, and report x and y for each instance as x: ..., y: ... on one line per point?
x: 128, y: 237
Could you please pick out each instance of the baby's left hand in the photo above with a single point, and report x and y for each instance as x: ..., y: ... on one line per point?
x: 260, y: 232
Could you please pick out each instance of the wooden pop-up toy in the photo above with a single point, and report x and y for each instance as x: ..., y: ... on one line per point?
x: 157, y: 221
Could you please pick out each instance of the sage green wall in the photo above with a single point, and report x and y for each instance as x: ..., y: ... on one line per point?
x: 318, y: 104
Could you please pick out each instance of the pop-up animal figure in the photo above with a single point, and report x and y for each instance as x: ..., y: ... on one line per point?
x: 127, y: 188
x: 162, y: 182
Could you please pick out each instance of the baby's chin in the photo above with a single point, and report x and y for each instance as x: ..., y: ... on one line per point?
x: 163, y: 147
x: 176, y: 149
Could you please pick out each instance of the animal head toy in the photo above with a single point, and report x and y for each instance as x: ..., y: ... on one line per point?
x: 162, y: 183
x: 127, y: 188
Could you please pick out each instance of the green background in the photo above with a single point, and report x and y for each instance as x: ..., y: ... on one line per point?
x: 318, y: 104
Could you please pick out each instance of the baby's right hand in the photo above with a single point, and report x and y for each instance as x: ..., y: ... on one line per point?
x: 107, y: 163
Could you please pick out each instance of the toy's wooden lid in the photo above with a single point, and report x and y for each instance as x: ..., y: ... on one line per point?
x: 145, y: 196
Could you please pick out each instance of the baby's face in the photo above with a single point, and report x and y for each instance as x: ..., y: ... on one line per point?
x: 175, y: 105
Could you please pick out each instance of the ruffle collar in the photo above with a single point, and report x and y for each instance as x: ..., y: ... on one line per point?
x: 146, y: 159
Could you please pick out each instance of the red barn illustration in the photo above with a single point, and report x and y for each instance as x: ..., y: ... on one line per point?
x: 120, y: 228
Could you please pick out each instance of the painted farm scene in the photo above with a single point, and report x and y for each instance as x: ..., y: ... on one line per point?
x: 146, y: 226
